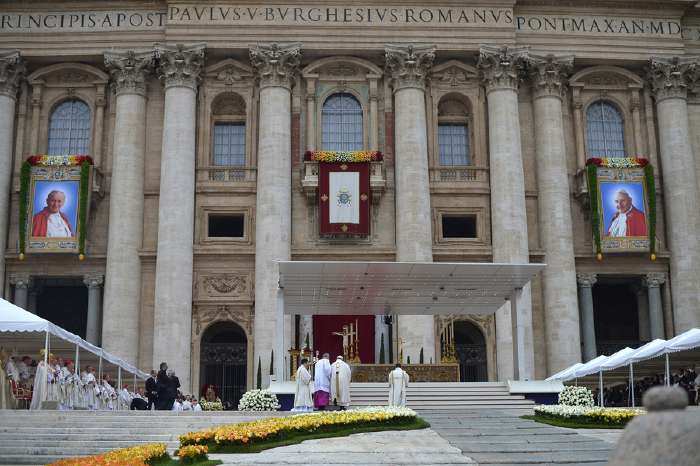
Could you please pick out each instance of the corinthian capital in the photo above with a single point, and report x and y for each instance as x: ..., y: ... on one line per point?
x: 549, y: 74
x: 276, y: 65
x: 180, y: 65
x: 409, y: 65
x: 11, y: 73
x: 671, y: 77
x: 502, y: 67
x: 129, y: 70
x: 654, y: 279
x: 586, y: 280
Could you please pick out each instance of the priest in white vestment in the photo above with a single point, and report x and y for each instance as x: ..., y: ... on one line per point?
x: 340, y: 383
x: 302, y: 397
x: 41, y: 379
x: 398, y: 383
x: 322, y: 382
x: 90, y: 381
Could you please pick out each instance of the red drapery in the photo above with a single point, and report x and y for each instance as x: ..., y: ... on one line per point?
x: 326, y: 342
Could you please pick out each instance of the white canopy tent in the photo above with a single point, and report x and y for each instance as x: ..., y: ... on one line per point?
x: 25, y: 333
x: 401, y: 288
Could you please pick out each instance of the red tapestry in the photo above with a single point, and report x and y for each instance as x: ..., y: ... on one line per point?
x: 326, y: 342
x: 325, y: 198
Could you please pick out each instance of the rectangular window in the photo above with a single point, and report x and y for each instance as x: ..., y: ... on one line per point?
x: 229, y: 144
x: 459, y: 226
x: 453, y: 140
x: 226, y: 226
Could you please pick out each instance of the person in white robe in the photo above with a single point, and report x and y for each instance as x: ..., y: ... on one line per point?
x: 398, y: 383
x: 125, y: 398
x: 11, y: 369
x: 187, y: 404
x: 89, y: 382
x: 41, y: 379
x: 303, y: 401
x: 195, y: 405
x: 24, y: 369
x: 177, y: 406
x: 6, y: 400
x: 340, y: 383
x: 109, y: 394
x: 322, y: 382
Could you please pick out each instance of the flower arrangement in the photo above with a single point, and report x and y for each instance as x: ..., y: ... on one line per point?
x: 618, y: 162
x: 258, y: 400
x: 58, y: 160
x: 246, y: 433
x: 576, y: 396
x: 588, y: 414
x: 211, y: 405
x: 192, y: 453
x: 330, y: 156
x: 133, y: 456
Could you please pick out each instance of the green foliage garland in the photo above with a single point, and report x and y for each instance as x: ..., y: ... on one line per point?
x: 24, y: 178
x: 593, y: 193
x: 651, y: 199
x: 259, y: 377
x: 82, y: 218
x: 272, y: 362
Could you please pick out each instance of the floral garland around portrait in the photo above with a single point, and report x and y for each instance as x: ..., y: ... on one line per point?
x: 85, y: 162
x: 334, y: 156
x: 592, y: 165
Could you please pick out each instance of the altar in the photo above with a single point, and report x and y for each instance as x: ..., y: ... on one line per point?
x: 417, y: 372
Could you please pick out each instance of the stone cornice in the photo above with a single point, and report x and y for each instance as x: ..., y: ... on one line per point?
x: 129, y: 70
x: 12, y: 71
x: 502, y: 67
x: 180, y: 65
x: 673, y: 77
x: 549, y: 74
x: 409, y: 65
x: 276, y: 65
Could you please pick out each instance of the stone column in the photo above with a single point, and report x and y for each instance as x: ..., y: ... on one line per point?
x: 653, y: 282
x: 11, y: 73
x: 408, y: 67
x: 276, y: 67
x: 548, y: 75
x: 22, y: 282
x: 585, y: 287
x: 643, y: 312
x: 94, y: 283
x: 122, y: 294
x: 311, y: 112
x: 179, y: 67
x: 670, y: 79
x: 501, y: 69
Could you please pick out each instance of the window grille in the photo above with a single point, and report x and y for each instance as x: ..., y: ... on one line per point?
x: 229, y: 144
x: 342, y: 123
x: 69, y: 129
x: 604, y: 130
x: 453, y: 140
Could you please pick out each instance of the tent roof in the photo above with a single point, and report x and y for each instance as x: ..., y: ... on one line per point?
x: 413, y: 288
x: 651, y: 350
x: 26, y: 332
x: 617, y: 360
x: 588, y: 368
x: 562, y: 374
x: 684, y: 341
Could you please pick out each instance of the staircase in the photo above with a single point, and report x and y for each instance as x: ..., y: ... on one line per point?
x: 445, y: 396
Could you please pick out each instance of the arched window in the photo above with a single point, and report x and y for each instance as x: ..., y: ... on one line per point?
x: 604, y: 130
x: 69, y: 128
x: 229, y: 116
x: 453, y: 133
x: 342, y: 123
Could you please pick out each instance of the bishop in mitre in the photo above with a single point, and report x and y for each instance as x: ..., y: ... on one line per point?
x: 340, y: 383
x: 398, y: 383
x: 302, y: 397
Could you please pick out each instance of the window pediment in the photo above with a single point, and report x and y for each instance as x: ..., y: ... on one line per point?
x: 229, y: 71
x: 606, y: 77
x: 453, y: 73
x: 73, y: 74
x: 343, y: 68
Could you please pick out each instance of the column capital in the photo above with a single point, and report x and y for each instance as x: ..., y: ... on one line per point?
x: 276, y: 65
x: 549, y: 74
x: 654, y: 279
x: 671, y: 77
x: 12, y: 69
x: 501, y: 67
x: 408, y: 65
x: 93, y: 280
x: 129, y: 70
x: 180, y: 65
x: 20, y: 280
x: 586, y: 280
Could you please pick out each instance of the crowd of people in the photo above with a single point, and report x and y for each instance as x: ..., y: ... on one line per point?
x: 163, y: 394
x: 619, y: 395
x: 329, y: 387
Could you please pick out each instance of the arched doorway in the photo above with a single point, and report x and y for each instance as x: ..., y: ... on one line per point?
x: 470, y: 346
x: 616, y: 315
x: 223, y: 361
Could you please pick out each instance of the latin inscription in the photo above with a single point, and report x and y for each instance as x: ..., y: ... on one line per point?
x: 86, y: 21
x: 595, y: 25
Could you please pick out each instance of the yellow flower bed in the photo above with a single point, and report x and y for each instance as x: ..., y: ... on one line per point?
x: 192, y: 453
x: 133, y: 456
x: 245, y: 433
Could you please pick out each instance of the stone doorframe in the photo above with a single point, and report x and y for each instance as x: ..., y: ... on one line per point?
x: 487, y: 326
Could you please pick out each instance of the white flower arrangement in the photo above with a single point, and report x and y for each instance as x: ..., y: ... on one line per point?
x: 258, y: 400
x: 591, y: 414
x: 576, y: 396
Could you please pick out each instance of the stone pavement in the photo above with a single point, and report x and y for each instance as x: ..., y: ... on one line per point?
x: 416, y: 447
x: 499, y: 438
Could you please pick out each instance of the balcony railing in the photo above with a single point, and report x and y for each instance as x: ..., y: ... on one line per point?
x: 470, y: 174
x: 227, y: 174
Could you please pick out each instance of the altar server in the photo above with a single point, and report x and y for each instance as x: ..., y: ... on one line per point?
x: 398, y: 383
x: 302, y: 397
x: 322, y: 382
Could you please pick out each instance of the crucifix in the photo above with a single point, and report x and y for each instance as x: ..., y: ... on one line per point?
x: 345, y: 334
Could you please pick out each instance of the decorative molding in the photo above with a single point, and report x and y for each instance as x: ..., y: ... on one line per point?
x: 203, y: 315
x: 409, y: 65
x: 673, y: 77
x: 129, y: 71
x: 586, y: 280
x: 94, y: 280
x: 654, y: 279
x: 20, y: 280
x: 502, y: 67
x: 276, y: 65
x: 12, y: 69
x: 228, y: 103
x: 549, y: 74
x: 180, y: 65
x: 225, y: 284
x: 606, y: 77
x: 453, y: 73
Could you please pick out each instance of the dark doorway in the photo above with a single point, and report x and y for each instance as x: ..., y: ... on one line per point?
x: 470, y: 346
x: 64, y: 302
x: 616, y: 316
x: 223, y: 362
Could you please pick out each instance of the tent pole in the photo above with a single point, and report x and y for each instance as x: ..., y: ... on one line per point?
x: 600, y: 389
x: 119, y: 384
x: 99, y: 369
x: 668, y: 372
x: 632, y: 384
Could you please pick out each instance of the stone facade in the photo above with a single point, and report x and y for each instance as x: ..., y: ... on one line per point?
x: 158, y: 77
